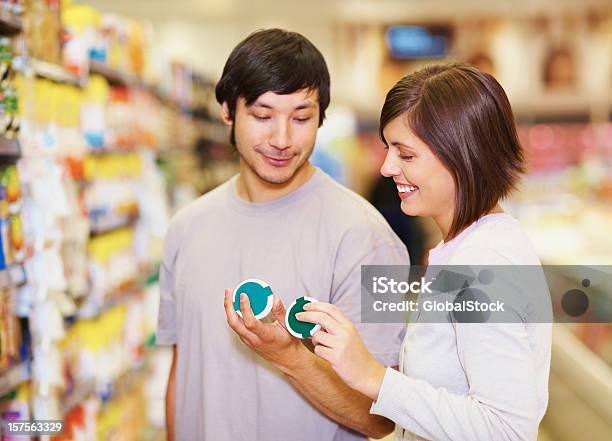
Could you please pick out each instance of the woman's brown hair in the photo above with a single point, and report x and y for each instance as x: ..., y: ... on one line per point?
x: 464, y: 116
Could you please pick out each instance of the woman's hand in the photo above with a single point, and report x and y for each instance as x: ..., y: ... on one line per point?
x: 340, y: 344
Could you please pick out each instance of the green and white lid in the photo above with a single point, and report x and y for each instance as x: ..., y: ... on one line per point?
x: 260, y: 296
x: 297, y: 328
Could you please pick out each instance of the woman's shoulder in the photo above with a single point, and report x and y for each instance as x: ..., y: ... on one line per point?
x: 501, y: 240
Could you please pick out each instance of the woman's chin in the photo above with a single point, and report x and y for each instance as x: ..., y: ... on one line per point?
x: 409, y: 210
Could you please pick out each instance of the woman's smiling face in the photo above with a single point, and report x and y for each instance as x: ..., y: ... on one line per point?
x: 424, y: 184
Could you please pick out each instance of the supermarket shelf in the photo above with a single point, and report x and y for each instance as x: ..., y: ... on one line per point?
x: 109, y: 227
x: 10, y: 23
x: 114, y: 76
x: 14, y: 376
x: 79, y: 394
x: 589, y: 377
x: 83, y: 391
x: 100, y: 151
x: 120, y: 78
x: 216, y: 131
x: 12, y: 275
x: 54, y: 72
x: 9, y: 150
x: 560, y: 107
x: 90, y: 311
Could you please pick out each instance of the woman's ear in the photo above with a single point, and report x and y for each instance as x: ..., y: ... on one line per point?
x: 225, y: 114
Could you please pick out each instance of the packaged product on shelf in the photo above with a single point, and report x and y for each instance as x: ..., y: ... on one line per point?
x: 47, y: 382
x: 93, y: 118
x: 79, y: 25
x: 42, y: 29
x: 10, y: 330
x: 44, y: 126
x: 16, y: 407
x: 121, y: 117
x: 9, y: 122
x: 4, y: 243
x: 125, y: 41
x: 6, y: 57
x: 70, y: 136
x: 12, y: 6
x: 113, y: 268
x: 9, y: 179
x: 16, y: 238
x: 109, y: 195
x: 26, y: 92
x: 80, y: 422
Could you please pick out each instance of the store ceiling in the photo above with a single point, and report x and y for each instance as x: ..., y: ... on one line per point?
x: 249, y: 11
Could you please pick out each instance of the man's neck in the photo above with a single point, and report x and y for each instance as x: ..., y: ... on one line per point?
x: 252, y: 188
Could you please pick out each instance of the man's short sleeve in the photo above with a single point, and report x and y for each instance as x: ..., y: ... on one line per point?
x: 367, y: 246
x: 166, y: 321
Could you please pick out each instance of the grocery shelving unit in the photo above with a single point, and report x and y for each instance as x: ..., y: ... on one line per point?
x: 591, y: 377
x: 114, y: 76
x: 9, y: 150
x: 10, y: 23
x: 14, y: 376
x: 54, y: 72
x: 81, y: 309
x: 44, y: 69
x: 561, y: 107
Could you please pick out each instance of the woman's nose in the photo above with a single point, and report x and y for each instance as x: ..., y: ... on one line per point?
x: 390, y: 166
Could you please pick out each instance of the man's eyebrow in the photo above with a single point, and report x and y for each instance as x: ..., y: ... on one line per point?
x: 260, y: 104
x: 305, y: 105
x: 301, y: 106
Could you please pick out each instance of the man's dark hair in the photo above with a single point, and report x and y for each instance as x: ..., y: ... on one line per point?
x: 465, y: 118
x: 273, y: 60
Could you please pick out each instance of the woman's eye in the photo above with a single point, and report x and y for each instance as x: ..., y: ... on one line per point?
x: 302, y: 120
x: 261, y: 118
x: 406, y: 157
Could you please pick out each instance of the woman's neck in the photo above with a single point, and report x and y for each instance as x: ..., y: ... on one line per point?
x: 445, y: 221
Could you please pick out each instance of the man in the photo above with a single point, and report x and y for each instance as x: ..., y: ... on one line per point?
x: 287, y: 223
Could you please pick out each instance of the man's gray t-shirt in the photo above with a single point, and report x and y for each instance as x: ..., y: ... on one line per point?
x: 310, y: 242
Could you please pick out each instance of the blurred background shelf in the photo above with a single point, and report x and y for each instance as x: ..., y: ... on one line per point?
x: 9, y: 150
x: 580, y: 391
x: 10, y: 23
x: 55, y: 72
x: 114, y: 76
x: 13, y: 376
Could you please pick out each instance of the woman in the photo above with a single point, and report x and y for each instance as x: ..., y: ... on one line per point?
x: 453, y: 153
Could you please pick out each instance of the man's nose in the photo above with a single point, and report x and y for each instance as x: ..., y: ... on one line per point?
x: 281, y: 135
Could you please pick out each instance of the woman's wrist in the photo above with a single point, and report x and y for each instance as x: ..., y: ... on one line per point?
x: 374, y: 379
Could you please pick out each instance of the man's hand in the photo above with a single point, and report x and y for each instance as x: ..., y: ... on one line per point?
x: 312, y: 376
x: 340, y: 344
x: 269, y: 340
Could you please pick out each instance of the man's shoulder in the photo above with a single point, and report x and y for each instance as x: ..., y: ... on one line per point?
x: 350, y: 208
x: 352, y: 216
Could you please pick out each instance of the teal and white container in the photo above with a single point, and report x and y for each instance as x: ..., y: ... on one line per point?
x: 259, y: 294
x: 298, y: 328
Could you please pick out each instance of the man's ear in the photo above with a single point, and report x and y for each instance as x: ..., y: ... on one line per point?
x: 225, y: 114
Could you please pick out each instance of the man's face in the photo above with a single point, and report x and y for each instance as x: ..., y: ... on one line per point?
x: 275, y: 135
